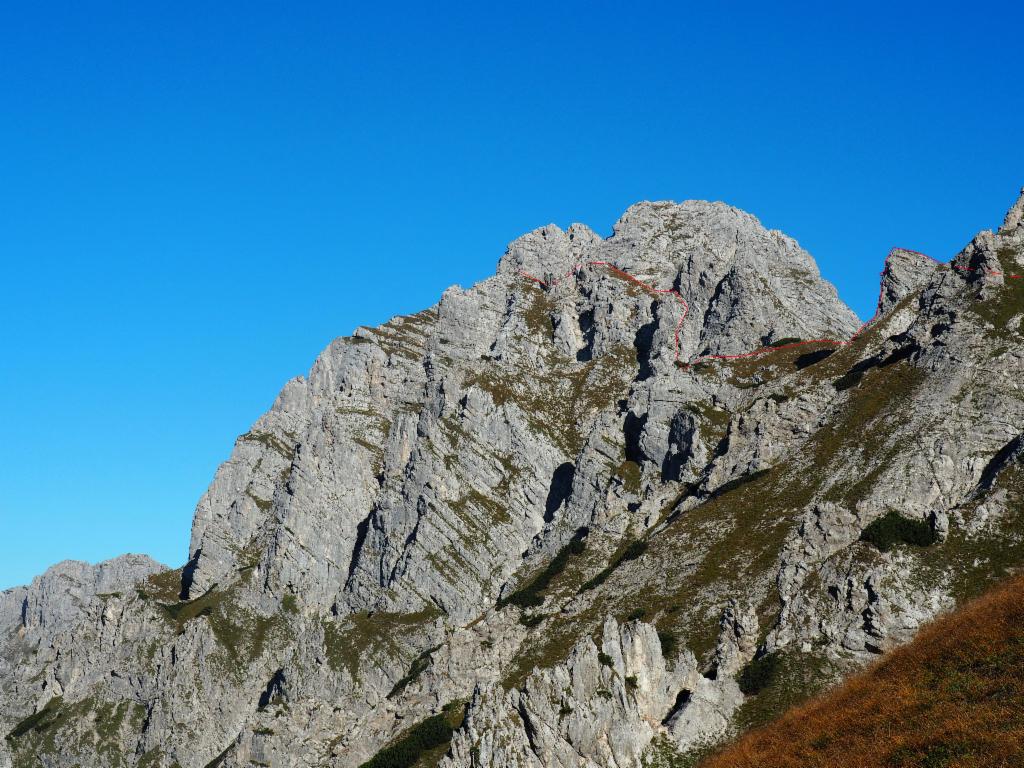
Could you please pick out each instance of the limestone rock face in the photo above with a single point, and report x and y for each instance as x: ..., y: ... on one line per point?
x: 348, y: 489
x: 63, y: 593
x: 1014, y: 217
x: 602, y: 707
x: 904, y: 272
x: 737, y: 642
x: 568, y: 511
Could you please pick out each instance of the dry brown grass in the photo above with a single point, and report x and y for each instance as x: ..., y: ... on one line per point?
x: 952, y: 698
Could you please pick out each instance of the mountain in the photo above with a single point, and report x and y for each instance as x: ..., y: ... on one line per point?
x: 616, y: 503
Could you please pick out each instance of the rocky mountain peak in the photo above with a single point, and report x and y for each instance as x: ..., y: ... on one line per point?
x: 548, y: 253
x: 674, y: 282
x: 904, y: 272
x: 1014, y: 217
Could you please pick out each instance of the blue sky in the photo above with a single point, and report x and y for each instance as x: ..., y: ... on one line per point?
x: 194, y: 199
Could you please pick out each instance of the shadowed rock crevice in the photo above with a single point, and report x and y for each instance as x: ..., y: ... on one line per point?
x: 810, y: 358
x: 682, y: 699
x: 559, y: 490
x: 188, y: 575
x: 684, y: 446
x: 586, y: 323
x: 274, y: 690
x: 1008, y: 455
x: 633, y: 430
x: 643, y: 342
x: 357, y: 547
x: 529, y: 728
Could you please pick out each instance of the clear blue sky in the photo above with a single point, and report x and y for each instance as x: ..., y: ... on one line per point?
x: 196, y: 197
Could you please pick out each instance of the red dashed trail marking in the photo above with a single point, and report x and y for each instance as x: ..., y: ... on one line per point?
x: 760, y: 350
x: 623, y: 273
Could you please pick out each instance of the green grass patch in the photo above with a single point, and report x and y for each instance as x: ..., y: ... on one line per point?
x: 163, y: 587
x: 241, y: 633
x: 669, y: 641
x: 532, y: 594
x: 861, y: 432
x: 38, y: 721
x: 789, y: 679
x: 631, y: 552
x: 662, y: 752
x: 560, y: 400
x: 1005, y: 303
x: 413, y: 745
x: 629, y: 473
x: 368, y: 637
x: 271, y: 442
x: 89, y: 726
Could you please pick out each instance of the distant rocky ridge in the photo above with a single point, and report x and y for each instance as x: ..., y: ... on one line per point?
x: 514, y: 529
x: 61, y: 595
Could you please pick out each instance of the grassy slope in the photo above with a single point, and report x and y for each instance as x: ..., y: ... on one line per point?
x: 953, y: 697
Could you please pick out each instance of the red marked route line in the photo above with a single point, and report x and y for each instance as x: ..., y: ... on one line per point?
x: 622, y: 273
x: 760, y: 350
x: 670, y: 291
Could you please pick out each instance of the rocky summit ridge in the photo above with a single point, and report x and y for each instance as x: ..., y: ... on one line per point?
x: 562, y: 517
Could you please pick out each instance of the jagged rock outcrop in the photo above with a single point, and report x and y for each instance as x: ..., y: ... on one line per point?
x: 1014, y: 217
x: 602, y: 707
x: 904, y: 273
x: 737, y: 643
x: 601, y: 499
x: 64, y: 592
